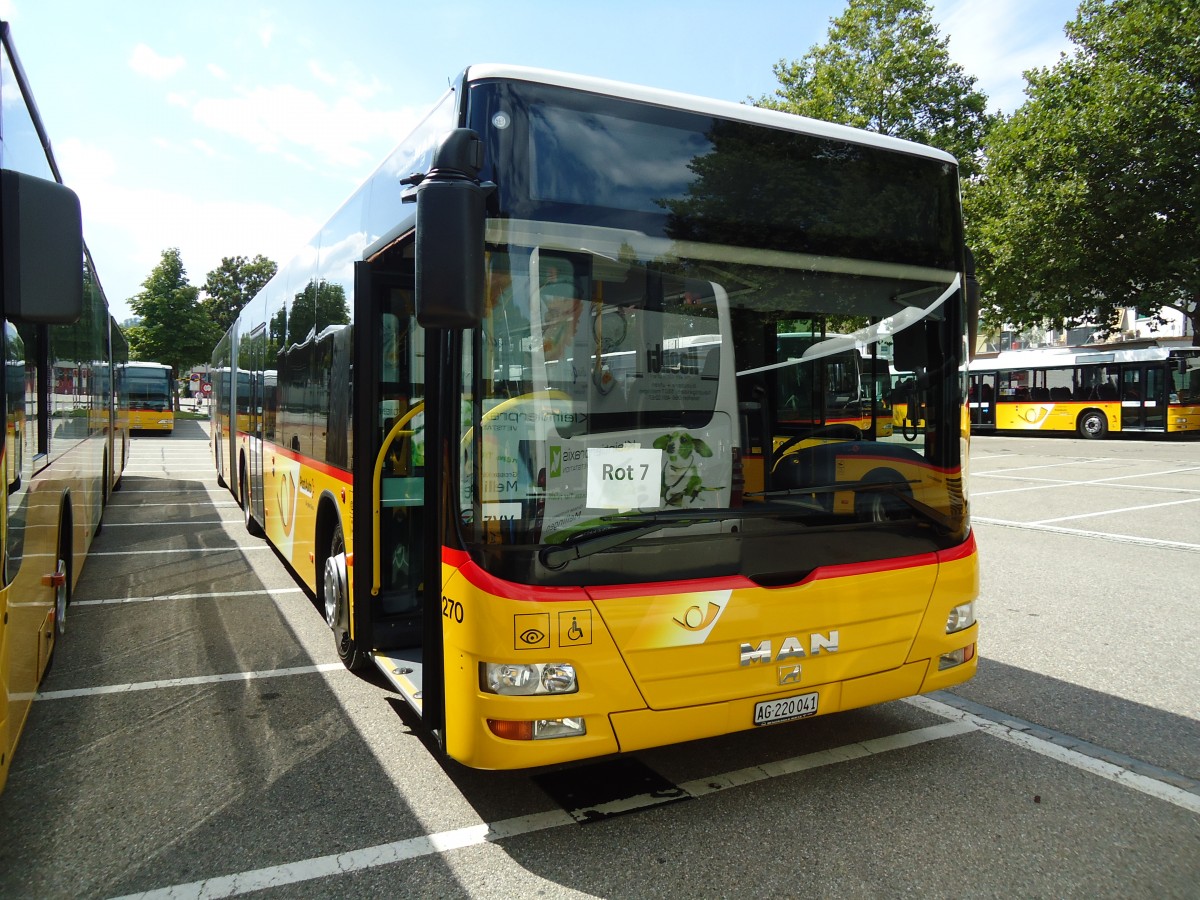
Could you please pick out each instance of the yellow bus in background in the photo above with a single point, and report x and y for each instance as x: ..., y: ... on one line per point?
x: 1090, y: 391
x: 150, y: 394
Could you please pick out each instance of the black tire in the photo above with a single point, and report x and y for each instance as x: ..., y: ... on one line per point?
x: 62, y: 597
x: 1092, y: 425
x: 335, y: 602
x: 62, y: 600
x: 252, y: 526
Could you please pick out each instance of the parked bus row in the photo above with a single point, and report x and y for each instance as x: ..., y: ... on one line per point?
x: 552, y: 419
x: 65, y: 441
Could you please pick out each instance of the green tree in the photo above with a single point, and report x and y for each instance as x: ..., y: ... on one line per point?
x: 320, y: 304
x: 231, y: 285
x: 1092, y: 190
x: 174, y: 329
x: 886, y: 69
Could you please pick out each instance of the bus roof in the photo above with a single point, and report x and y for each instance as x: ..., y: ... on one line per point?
x: 1064, y: 357
x: 723, y: 108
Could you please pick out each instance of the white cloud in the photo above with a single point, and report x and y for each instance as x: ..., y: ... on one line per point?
x: 127, y: 230
x: 217, y: 72
x: 998, y: 42
x: 286, y: 118
x: 146, y: 62
x: 206, y: 148
x: 319, y: 73
x: 80, y: 162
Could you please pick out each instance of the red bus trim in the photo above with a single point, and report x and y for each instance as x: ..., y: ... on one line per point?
x: 485, y: 581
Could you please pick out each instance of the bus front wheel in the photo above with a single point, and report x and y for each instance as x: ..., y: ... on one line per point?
x: 335, y: 598
x: 1093, y: 425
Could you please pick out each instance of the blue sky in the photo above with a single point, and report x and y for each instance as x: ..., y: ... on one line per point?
x: 234, y: 128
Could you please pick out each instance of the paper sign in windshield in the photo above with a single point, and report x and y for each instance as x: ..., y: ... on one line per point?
x: 620, y: 478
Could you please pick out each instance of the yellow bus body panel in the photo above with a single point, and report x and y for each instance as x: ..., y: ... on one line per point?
x: 660, y: 668
x: 148, y: 420
x: 1031, y: 416
x: 292, y: 490
x: 1184, y: 417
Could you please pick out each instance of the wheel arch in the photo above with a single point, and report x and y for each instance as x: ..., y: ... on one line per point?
x: 328, y: 519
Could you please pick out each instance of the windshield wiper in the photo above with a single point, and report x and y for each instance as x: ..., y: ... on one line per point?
x: 631, y: 526
x: 620, y: 529
x: 897, y: 489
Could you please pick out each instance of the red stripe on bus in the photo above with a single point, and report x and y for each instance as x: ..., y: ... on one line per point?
x: 502, y: 588
x: 324, y: 468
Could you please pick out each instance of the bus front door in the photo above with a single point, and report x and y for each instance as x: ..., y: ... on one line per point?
x: 982, y: 400
x: 1143, y: 398
x: 389, y: 524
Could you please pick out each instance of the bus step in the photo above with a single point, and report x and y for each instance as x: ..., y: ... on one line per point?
x: 403, y: 670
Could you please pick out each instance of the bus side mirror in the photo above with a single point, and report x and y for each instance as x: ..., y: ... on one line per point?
x: 43, y: 250
x: 450, y: 226
x: 972, y: 311
x: 910, y: 351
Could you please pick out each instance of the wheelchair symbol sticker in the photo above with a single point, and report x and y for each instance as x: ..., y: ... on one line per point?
x: 574, y: 627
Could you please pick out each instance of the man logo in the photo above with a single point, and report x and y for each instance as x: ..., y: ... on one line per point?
x: 789, y: 674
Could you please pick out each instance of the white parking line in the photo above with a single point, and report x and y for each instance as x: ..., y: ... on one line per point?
x: 1111, y: 481
x: 474, y: 835
x: 211, y: 595
x: 188, y: 522
x: 1100, y: 535
x: 242, y: 547
x: 1056, y: 465
x: 1113, y: 512
x: 1120, y: 774
x: 186, y: 682
x: 958, y: 722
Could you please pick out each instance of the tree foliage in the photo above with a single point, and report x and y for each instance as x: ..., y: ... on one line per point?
x: 886, y: 69
x: 1092, y: 188
x: 321, y: 303
x: 174, y: 329
x: 231, y: 285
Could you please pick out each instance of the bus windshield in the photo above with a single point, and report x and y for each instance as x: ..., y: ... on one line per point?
x: 149, y: 387
x: 652, y: 398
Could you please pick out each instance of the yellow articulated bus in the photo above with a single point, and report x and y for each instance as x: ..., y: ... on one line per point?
x: 151, y: 396
x: 530, y: 419
x: 1090, y: 391
x: 64, y: 449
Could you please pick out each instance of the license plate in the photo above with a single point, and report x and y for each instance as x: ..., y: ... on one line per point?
x: 768, y: 712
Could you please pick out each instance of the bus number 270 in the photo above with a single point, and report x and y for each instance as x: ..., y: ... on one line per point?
x: 452, y: 609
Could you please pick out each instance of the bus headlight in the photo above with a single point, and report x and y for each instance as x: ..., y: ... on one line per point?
x: 527, y: 679
x: 962, y: 616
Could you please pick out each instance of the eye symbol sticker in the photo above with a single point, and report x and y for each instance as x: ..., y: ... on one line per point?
x: 531, y: 631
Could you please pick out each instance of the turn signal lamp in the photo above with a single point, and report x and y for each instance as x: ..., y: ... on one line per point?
x: 538, y: 729
x: 527, y: 679
x: 956, y: 657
